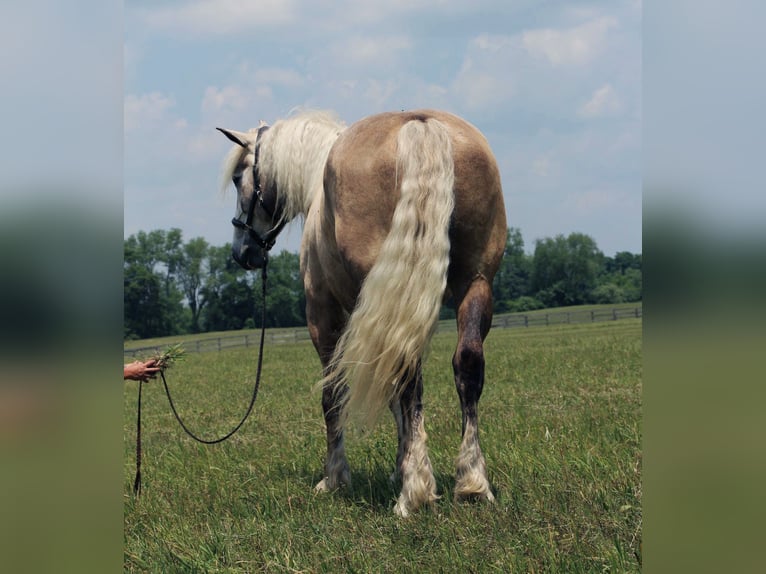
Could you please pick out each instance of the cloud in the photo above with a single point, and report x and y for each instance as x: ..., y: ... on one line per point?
x: 529, y: 83
x: 279, y: 77
x: 484, y: 78
x: 216, y: 17
x: 341, y: 16
x: 603, y: 102
x: 156, y: 134
x: 541, y: 70
x: 131, y: 59
x: 597, y: 200
x: 378, y: 93
x: 251, y: 93
x: 491, y: 42
x: 369, y: 52
x: 480, y: 88
x: 570, y: 47
x: 228, y: 98
x: 146, y: 109
x: 542, y: 166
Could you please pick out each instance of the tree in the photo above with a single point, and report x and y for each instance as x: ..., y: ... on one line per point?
x: 152, y: 302
x: 512, y: 278
x: 608, y: 293
x: 286, y: 301
x: 565, y: 269
x: 191, y: 271
x: 171, y: 286
x: 622, y: 262
x: 172, y: 256
x: 148, y: 312
x: 620, y: 280
x: 228, y: 292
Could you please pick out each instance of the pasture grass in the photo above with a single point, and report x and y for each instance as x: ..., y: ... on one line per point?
x: 560, y: 429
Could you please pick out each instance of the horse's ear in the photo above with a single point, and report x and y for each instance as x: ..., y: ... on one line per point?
x: 240, y: 138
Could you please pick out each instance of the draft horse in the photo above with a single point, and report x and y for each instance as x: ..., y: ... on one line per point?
x: 401, y: 211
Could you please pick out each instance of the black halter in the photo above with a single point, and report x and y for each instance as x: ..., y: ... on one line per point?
x: 267, y: 241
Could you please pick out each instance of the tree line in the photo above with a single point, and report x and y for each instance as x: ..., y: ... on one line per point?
x: 172, y: 286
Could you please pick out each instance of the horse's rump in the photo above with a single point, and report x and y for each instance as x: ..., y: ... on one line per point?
x: 398, y: 304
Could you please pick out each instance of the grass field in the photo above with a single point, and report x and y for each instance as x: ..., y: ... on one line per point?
x: 560, y: 422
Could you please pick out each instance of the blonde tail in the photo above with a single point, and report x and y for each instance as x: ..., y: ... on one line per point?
x: 398, y: 306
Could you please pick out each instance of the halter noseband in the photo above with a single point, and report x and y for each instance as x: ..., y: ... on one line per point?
x: 267, y: 241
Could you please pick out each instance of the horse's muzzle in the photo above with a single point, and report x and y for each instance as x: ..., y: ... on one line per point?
x: 250, y: 257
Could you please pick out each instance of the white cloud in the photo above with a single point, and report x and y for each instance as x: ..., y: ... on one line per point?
x: 341, y: 16
x: 603, y: 102
x: 595, y: 200
x: 573, y: 46
x: 481, y: 88
x: 279, y: 77
x: 146, y: 109
x: 204, y: 145
x: 131, y: 59
x: 491, y: 42
x: 542, y: 166
x: 525, y: 85
x: 370, y: 52
x: 485, y: 76
x: 220, y: 16
x: 157, y: 134
x: 252, y: 91
x: 378, y: 93
x: 228, y: 98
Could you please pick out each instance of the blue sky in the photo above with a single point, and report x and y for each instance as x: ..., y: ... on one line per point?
x: 555, y: 87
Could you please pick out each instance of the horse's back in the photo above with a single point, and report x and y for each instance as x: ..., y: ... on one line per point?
x: 362, y: 190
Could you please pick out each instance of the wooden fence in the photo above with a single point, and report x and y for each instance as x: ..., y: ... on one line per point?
x: 275, y: 337
x: 539, y: 319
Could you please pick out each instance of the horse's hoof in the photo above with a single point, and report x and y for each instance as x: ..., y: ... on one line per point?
x: 328, y: 485
x: 481, y: 496
x: 401, y: 510
x: 406, y: 505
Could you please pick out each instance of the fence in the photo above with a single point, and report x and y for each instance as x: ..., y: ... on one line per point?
x: 228, y: 342
x: 532, y: 319
x: 539, y: 319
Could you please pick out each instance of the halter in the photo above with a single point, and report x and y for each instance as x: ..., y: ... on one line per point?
x: 266, y: 241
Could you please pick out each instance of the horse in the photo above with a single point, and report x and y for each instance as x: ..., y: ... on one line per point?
x: 400, y: 210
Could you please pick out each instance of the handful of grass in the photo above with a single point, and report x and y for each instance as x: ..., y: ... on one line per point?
x: 170, y: 355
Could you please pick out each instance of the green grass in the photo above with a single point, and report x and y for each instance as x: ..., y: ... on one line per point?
x: 560, y: 429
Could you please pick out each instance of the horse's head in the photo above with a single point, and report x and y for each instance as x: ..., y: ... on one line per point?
x: 256, y: 221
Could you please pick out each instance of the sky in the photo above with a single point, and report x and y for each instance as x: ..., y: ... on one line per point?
x: 555, y: 87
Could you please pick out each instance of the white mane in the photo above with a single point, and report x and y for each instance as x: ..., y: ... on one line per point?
x: 293, y: 154
x: 230, y: 163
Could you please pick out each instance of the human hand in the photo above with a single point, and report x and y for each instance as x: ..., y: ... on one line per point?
x: 140, y: 370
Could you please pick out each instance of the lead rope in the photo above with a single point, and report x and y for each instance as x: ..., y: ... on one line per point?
x: 137, y: 481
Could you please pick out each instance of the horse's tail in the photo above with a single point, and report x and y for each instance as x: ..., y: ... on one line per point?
x: 398, y: 306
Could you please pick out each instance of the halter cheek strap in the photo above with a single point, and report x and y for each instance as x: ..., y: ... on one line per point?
x: 267, y: 241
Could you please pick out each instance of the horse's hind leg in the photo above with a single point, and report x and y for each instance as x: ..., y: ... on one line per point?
x: 418, y: 484
x: 336, y: 466
x: 474, y: 318
x: 325, y: 322
x: 396, y: 410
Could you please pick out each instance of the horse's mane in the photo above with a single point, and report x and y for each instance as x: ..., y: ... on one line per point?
x: 231, y: 162
x: 293, y: 155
